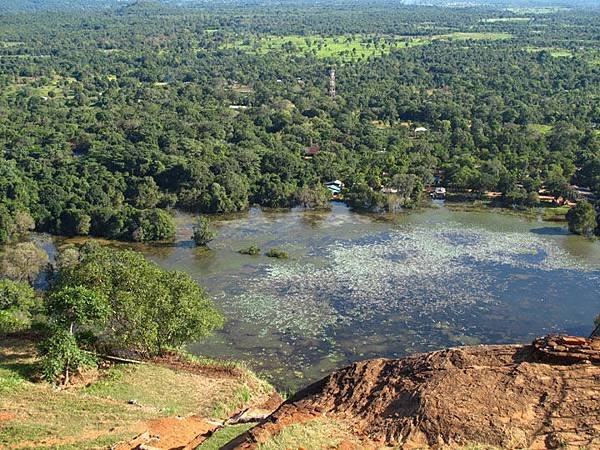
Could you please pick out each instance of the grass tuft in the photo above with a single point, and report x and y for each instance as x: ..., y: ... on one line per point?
x: 224, y: 435
x: 315, y: 434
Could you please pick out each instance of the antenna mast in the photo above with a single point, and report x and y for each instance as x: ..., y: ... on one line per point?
x: 332, y: 84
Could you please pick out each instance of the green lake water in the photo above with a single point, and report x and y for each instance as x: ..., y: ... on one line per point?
x: 357, y: 286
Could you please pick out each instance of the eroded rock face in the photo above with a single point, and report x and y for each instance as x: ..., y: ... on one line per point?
x: 543, y: 395
x: 568, y: 349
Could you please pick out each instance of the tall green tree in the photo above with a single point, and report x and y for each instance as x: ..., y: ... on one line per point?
x: 363, y: 198
x: 153, y: 225
x: 316, y: 196
x: 71, y: 309
x: 151, y: 308
x: 409, y: 187
x: 17, y: 300
x: 582, y: 219
x: 202, y: 233
x: 23, y: 261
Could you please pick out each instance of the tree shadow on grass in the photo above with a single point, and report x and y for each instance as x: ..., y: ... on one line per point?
x: 24, y: 370
x: 550, y: 231
x: 18, y: 360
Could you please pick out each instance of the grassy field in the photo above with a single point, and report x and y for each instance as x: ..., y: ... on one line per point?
x: 322, y: 433
x: 537, y: 10
x: 554, y: 212
x: 554, y: 52
x: 540, y: 128
x: 460, y: 36
x: 41, y: 87
x: 347, y: 47
x: 109, y: 406
x: 7, y: 44
x: 506, y: 19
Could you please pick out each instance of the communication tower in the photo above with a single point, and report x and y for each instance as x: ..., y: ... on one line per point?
x: 332, y: 83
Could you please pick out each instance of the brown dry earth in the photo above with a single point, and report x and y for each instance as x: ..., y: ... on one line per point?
x: 539, y: 396
x: 187, y: 433
x: 172, y: 433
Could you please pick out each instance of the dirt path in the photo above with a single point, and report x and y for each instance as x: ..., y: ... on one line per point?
x: 172, y: 433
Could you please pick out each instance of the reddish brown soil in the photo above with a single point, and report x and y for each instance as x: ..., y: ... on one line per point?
x: 176, y: 362
x: 6, y: 416
x: 188, y: 433
x: 539, y: 396
x: 172, y: 433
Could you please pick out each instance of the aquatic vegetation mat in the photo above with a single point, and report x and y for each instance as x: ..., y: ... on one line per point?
x: 359, y: 286
x: 418, y: 272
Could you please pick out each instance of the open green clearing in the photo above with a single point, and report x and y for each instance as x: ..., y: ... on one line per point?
x: 348, y: 47
x: 7, y: 44
x: 537, y: 10
x: 42, y: 87
x: 320, y: 433
x: 473, y: 36
x: 540, y: 128
x: 506, y: 19
x: 554, y: 52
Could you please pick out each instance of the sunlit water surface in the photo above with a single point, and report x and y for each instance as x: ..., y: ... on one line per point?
x: 357, y: 287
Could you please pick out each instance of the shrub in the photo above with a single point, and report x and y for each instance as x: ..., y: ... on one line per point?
x: 16, y: 302
x: 582, y: 219
x: 276, y: 253
x: 61, y: 355
x: 202, y: 232
x: 252, y: 250
x: 153, y: 225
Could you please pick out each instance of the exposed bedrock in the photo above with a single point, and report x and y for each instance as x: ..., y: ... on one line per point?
x: 542, y: 395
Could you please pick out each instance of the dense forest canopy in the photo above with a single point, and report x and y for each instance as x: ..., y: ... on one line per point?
x: 111, y: 117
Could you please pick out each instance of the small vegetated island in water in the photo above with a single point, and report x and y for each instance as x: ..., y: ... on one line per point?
x: 117, y: 116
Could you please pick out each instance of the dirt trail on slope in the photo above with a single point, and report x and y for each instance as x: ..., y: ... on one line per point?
x: 187, y: 433
x: 538, y: 396
x: 172, y: 433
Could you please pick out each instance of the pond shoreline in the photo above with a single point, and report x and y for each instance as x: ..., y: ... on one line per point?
x: 546, y: 213
x: 359, y: 286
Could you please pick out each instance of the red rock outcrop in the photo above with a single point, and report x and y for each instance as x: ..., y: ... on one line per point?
x: 538, y: 396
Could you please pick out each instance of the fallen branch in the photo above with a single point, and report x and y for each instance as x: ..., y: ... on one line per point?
x: 117, y: 359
